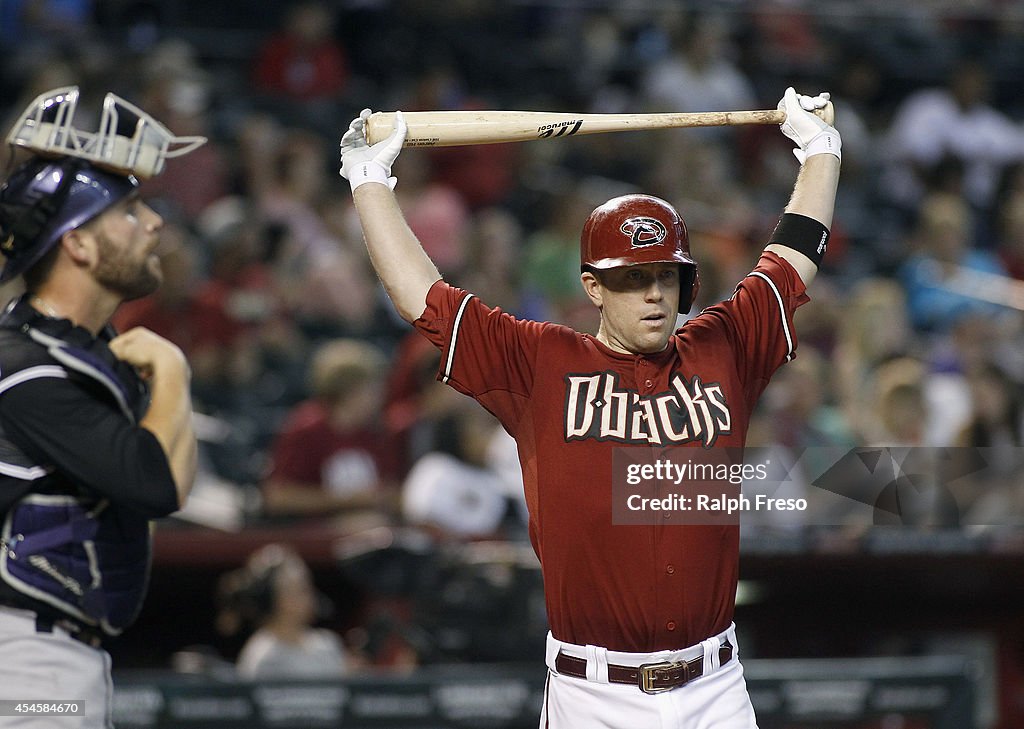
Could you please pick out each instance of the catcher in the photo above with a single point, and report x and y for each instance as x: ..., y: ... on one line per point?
x: 96, y: 431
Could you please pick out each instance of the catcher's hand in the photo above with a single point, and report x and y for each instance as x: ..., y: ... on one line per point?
x: 361, y: 162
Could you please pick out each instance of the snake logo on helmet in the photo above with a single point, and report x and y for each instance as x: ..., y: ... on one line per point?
x: 75, y: 175
x: 635, y: 229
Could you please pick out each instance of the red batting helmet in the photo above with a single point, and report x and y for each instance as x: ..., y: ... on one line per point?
x: 634, y: 229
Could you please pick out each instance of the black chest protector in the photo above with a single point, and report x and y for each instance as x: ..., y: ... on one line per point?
x: 60, y: 544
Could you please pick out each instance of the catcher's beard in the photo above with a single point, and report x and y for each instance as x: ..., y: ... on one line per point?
x: 132, y: 273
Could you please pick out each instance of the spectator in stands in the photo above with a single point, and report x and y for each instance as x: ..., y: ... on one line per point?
x: 801, y: 413
x: 803, y: 431
x: 452, y: 489
x: 899, y: 404
x: 56, y: 21
x: 274, y: 595
x: 551, y: 267
x: 298, y: 180
x: 495, y: 245
x: 177, y: 87
x: 333, y: 457
x: 240, y: 324
x: 917, y: 495
x: 958, y: 121
x: 863, y: 343
x: 991, y: 494
x: 303, y: 62
x: 939, y: 275
x: 456, y: 450
x: 302, y: 71
x: 435, y: 211
x: 257, y: 137
x: 323, y: 282
x: 51, y: 71
x: 700, y: 74
x: 482, y: 174
x: 412, y: 404
x: 997, y: 416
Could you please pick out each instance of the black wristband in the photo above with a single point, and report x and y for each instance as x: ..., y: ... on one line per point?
x: 802, y: 234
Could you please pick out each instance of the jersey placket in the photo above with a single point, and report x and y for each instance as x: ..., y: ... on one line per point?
x: 646, y: 381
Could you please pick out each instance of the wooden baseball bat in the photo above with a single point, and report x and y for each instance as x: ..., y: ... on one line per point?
x: 455, y: 128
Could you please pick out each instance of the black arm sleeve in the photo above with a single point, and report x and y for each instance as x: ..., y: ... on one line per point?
x: 59, y: 423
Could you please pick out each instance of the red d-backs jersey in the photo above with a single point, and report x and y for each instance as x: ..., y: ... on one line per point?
x: 569, y: 400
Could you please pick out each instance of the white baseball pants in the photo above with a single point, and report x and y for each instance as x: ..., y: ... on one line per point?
x: 52, y: 667
x: 716, y: 700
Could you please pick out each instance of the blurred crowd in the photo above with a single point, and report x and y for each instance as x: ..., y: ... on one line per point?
x: 322, y: 402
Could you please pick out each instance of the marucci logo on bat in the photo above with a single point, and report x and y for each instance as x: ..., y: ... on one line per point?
x: 561, y: 129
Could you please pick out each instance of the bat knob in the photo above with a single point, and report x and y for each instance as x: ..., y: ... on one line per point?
x: 379, y: 126
x: 827, y: 114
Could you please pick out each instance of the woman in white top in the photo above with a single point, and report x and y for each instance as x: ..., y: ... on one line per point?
x: 275, y: 594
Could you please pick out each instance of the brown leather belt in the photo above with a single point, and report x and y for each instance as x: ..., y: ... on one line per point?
x: 651, y: 678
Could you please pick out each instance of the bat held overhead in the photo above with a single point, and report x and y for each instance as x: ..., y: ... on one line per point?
x: 454, y: 128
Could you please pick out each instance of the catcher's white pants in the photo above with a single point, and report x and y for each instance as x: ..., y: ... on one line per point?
x: 716, y: 700
x: 52, y: 667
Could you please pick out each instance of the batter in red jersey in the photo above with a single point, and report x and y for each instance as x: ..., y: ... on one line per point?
x: 640, y: 615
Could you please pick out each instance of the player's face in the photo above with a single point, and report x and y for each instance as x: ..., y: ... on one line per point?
x: 638, y: 305
x: 127, y: 235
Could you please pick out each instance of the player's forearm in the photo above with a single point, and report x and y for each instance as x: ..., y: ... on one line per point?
x: 169, y: 418
x: 814, y: 196
x: 397, y: 255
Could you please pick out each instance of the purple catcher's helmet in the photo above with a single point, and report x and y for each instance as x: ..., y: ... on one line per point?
x: 45, y: 198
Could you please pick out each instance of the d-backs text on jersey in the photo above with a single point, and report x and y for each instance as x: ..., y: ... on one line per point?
x: 597, y: 408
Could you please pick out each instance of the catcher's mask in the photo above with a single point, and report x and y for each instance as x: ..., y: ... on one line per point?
x: 74, y: 175
x: 129, y: 141
x: 636, y: 229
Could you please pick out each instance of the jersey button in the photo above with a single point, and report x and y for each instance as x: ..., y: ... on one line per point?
x: 671, y: 625
x: 648, y: 383
x: 670, y: 569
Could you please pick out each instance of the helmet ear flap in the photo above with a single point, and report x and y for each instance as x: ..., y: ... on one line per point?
x: 21, y: 223
x: 689, y: 286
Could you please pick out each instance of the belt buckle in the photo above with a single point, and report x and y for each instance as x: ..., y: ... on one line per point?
x: 649, y: 674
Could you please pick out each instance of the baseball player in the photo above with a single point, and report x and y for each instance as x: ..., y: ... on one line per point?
x: 641, y: 631
x: 95, y: 428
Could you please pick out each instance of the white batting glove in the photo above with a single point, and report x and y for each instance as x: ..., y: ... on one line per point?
x: 812, y: 134
x: 362, y: 163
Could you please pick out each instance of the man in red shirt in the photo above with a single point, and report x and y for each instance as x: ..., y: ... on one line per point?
x: 330, y: 457
x: 302, y: 61
x: 640, y: 614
